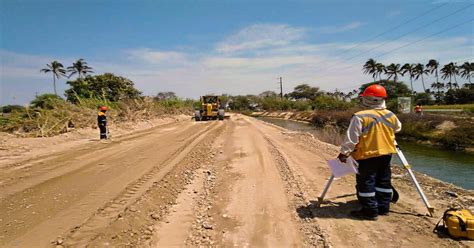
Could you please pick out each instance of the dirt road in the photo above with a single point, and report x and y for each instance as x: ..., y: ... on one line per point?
x: 239, y: 182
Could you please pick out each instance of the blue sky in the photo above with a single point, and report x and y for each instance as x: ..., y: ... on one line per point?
x: 236, y: 47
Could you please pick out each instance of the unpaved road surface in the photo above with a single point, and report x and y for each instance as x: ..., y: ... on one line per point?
x: 239, y: 182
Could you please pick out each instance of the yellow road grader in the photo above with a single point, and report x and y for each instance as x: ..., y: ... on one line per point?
x: 210, y: 108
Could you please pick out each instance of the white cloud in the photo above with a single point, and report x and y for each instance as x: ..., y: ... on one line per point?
x: 340, y: 29
x: 260, y: 36
x: 238, y: 66
x: 152, y: 56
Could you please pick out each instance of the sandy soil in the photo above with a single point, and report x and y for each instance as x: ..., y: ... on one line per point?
x: 239, y: 182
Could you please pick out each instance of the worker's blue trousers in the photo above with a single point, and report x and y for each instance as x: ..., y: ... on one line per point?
x: 374, y: 189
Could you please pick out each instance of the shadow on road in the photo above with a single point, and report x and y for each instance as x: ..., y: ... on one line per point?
x: 337, y: 210
x: 329, y: 209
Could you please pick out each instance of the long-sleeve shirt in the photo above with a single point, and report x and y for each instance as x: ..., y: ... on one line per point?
x: 101, y: 119
x: 355, y: 131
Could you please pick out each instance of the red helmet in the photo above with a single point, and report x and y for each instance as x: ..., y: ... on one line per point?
x: 375, y: 90
x: 103, y: 108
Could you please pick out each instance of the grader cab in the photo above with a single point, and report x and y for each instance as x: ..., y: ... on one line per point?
x: 210, y: 108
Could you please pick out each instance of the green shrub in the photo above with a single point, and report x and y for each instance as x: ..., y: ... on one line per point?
x: 458, y: 138
x: 324, y: 102
x: 46, y: 101
x: 11, y: 108
x: 340, y: 119
x: 106, y: 86
x: 302, y: 105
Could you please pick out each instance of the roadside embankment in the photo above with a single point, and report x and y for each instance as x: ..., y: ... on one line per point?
x: 14, y: 148
x: 450, y: 132
x: 58, y: 116
x: 305, y: 116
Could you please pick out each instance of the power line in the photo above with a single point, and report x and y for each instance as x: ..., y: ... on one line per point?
x: 414, y: 42
x: 429, y: 36
x: 393, y: 28
x: 412, y: 31
x: 388, y: 30
x: 410, y: 43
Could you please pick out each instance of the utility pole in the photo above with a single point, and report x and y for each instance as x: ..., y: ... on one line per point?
x: 281, y: 89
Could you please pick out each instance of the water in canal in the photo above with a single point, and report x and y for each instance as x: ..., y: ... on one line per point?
x: 449, y: 166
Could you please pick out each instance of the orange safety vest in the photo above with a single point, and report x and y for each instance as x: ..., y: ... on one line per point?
x: 378, y: 134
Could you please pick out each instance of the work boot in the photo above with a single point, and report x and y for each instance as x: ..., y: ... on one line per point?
x: 363, y: 215
x: 383, y: 212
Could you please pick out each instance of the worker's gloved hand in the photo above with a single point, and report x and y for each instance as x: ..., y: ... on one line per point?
x: 342, y: 157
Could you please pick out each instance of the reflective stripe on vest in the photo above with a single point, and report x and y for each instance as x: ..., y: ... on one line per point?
x: 383, y: 190
x: 369, y: 194
x: 377, y: 119
x: 378, y: 134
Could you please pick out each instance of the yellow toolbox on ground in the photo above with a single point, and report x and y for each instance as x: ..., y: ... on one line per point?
x: 459, y: 223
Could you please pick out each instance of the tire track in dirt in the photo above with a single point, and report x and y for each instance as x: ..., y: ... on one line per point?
x: 404, y: 227
x: 22, y: 163
x: 138, y: 224
x: 81, y: 235
x: 204, y: 229
x: 34, y: 171
x: 295, y: 188
x: 251, y: 206
x: 37, y: 219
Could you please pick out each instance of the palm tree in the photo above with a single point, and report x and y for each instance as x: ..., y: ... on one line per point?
x: 410, y: 69
x: 80, y: 67
x: 450, y: 70
x: 466, y: 70
x: 420, y: 71
x: 380, y: 69
x: 58, y: 71
x: 438, y: 86
x: 370, y: 68
x: 432, y: 66
x: 393, y: 70
x: 350, y: 94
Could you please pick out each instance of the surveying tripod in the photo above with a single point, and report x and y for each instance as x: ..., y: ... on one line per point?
x: 406, y: 165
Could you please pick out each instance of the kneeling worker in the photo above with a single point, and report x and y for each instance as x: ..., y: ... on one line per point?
x: 102, y: 122
x: 371, y: 141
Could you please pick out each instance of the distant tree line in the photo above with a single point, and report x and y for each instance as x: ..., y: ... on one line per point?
x: 449, y: 91
x: 303, y: 98
x: 101, y: 88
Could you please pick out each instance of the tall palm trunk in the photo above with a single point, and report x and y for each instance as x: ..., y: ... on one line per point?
x: 411, y: 83
x: 423, y: 82
x: 54, y: 84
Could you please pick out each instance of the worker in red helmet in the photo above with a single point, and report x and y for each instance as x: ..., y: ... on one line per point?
x: 102, y: 121
x: 370, y: 140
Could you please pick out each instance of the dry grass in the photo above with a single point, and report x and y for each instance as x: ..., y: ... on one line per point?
x: 330, y: 134
x: 64, y: 116
x: 459, y: 135
x: 340, y: 119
